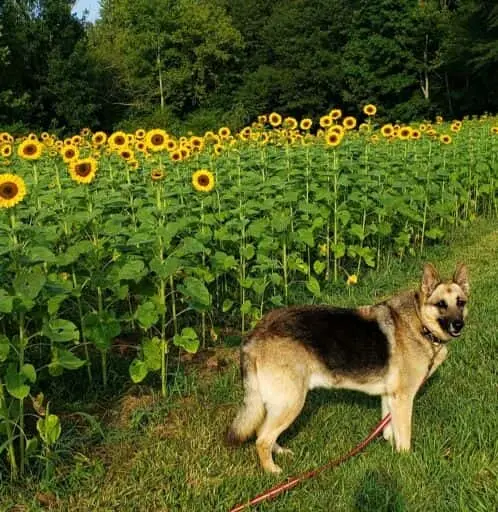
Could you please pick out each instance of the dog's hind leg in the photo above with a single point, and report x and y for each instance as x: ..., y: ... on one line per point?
x: 283, y: 401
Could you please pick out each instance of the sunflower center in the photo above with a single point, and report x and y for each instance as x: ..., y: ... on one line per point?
x: 8, y: 190
x: 83, y: 169
x: 203, y: 180
x: 157, y: 140
x: 29, y: 149
x: 119, y: 140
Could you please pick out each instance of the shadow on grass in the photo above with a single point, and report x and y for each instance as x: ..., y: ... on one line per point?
x: 380, y: 492
x: 318, y: 398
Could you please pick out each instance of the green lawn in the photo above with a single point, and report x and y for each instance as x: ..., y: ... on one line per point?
x: 170, y: 456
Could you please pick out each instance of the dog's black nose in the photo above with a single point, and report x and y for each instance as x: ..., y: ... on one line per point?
x: 457, y: 325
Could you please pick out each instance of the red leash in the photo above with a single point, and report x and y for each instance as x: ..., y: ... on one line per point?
x: 290, y: 484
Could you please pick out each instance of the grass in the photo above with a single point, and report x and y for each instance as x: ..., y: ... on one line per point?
x: 161, y: 455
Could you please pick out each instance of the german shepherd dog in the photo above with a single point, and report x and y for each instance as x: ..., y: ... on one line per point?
x: 387, y: 349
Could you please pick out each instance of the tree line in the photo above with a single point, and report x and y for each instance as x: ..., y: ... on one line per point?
x: 197, y: 64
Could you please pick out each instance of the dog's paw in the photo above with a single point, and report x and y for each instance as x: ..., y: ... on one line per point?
x: 388, y: 434
x: 279, y: 450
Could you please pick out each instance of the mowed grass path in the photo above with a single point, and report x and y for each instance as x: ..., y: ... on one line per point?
x: 171, y: 456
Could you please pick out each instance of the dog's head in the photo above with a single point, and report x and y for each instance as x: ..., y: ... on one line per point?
x: 443, y: 305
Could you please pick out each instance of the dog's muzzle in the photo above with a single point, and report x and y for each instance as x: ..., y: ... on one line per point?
x: 455, y: 327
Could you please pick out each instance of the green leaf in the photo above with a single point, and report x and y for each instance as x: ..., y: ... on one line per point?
x: 152, y: 352
x: 132, y: 270
x: 28, y: 370
x: 227, y: 305
x: 41, y: 254
x: 339, y: 250
x: 54, y: 303
x: 147, y: 314
x: 306, y: 236
x: 246, y: 307
x: 319, y: 266
x: 28, y: 284
x: 187, y: 340
x: 248, y: 251
x: 61, y: 331
x: 190, y: 246
x: 6, y: 302
x: 49, y: 429
x: 15, y: 383
x: 167, y: 267
x: 31, y: 446
x: 67, y: 360
x: 138, y: 370
x: 313, y: 286
x: 101, y: 329
x: 4, y: 347
x: 196, y: 290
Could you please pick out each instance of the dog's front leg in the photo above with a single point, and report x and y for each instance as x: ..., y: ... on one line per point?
x: 401, y: 407
x: 388, y: 429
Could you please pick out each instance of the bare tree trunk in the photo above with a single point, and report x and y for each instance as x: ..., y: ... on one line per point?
x: 424, y: 83
x: 160, y: 72
x: 448, y: 93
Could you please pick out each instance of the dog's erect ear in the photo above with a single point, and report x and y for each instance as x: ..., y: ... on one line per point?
x: 430, y: 279
x: 461, y: 278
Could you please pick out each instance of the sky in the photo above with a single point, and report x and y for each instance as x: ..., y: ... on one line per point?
x: 92, y: 6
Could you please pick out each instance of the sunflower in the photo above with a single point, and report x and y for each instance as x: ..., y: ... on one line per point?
x: 405, y: 133
x: 140, y: 146
x: 70, y: 153
x: 245, y: 133
x: 33, y: 136
x: 494, y: 130
x: 337, y: 129
x: 99, y: 138
x: 118, y: 140
x: 156, y: 175
x: 59, y: 145
x: 445, y: 139
x: 416, y: 134
x: 364, y: 127
x: 349, y: 122
x: 352, y: 280
x: 422, y: 127
x: 262, y: 119
x: 332, y: 138
x: 6, y: 150
x: 176, y: 156
x: 156, y: 139
x: 431, y: 132
x: 133, y: 163
x: 140, y: 134
x: 439, y: 119
x: 4, y: 137
x: 335, y: 113
x: 44, y: 136
x: 275, y: 119
x: 171, y: 145
x: 12, y: 190
x: 185, y: 152
x: 374, y: 138
x: 218, y: 149
x: 326, y: 121
x: 83, y: 171
x: 305, y: 124
x: 203, y: 180
x: 370, y: 110
x: 196, y: 143
x: 76, y: 140
x: 127, y: 154
x: 290, y: 123
x: 30, y: 150
x: 455, y: 127
x: 224, y: 132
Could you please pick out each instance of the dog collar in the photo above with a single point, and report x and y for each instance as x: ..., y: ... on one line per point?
x: 431, y: 337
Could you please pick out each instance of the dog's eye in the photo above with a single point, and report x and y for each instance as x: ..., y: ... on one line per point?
x: 461, y: 303
x: 442, y: 304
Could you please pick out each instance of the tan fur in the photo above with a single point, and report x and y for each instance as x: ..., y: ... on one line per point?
x: 279, y: 371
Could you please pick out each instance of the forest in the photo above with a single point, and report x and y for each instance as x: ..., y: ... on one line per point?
x: 193, y: 64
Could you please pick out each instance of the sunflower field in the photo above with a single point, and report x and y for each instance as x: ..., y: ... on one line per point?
x: 169, y: 240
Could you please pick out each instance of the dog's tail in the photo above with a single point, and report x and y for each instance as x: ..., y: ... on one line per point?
x: 252, y: 413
